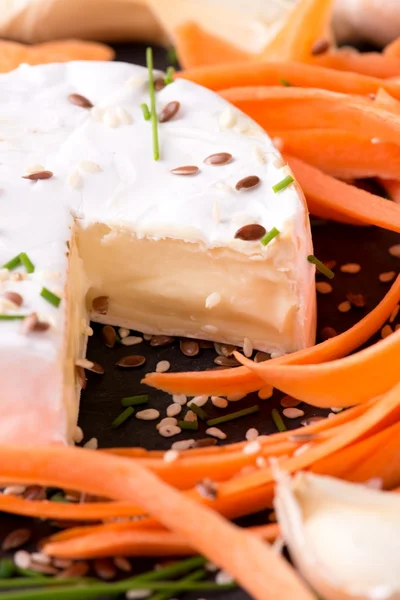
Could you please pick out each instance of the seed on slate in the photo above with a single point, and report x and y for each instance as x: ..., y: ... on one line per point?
x: 38, y: 175
x: 224, y: 349
x: 344, y: 307
x: 148, y: 414
x: 14, y: 298
x: 208, y: 489
x: 311, y: 420
x: 163, y: 366
x: 105, y: 568
x: 351, y: 268
x: 186, y: 170
x: 169, y: 111
x: 131, y: 340
x: 357, y: 300
x: 387, y: 277
x: 395, y: 250
x: 320, y: 47
x: 327, y: 333
x: 161, y: 340
x: 205, y: 443
x: 293, y: 413
x: 181, y: 445
x: 261, y: 357
x: 96, y: 368
x: 77, y: 569
x: 323, y: 287
x: 122, y: 563
x: 189, y: 347
x: 133, y: 360
x: 221, y: 158
x: 79, y: 100
x: 100, y: 305
x: 225, y: 361
x: 248, y: 183
x: 250, y: 233
x: 16, y: 539
x: 81, y: 377
x: 289, y: 402
x: 108, y: 336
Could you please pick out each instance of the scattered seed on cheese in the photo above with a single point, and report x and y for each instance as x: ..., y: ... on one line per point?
x: 259, y: 154
x: 171, y: 456
x: 227, y: 118
x: 386, y: 331
x: 131, y: 340
x: 216, y: 432
x: 173, y: 410
x: 252, y: 447
x: 265, y: 392
x: 251, y: 434
x: 279, y: 163
x: 74, y: 180
x: 395, y: 250
x: 149, y: 414
x: 183, y: 445
x: 394, y: 314
x: 179, y: 399
x: 167, y: 421
x: 163, y: 366
x: 110, y: 119
x: 387, y: 276
x: 123, y: 115
x: 350, y: 268
x: 323, y: 287
x: 293, y: 413
x: 219, y: 402
x: 88, y: 166
x: 213, y: 300
x: 198, y: 401
x: 344, y: 307
x: 169, y: 431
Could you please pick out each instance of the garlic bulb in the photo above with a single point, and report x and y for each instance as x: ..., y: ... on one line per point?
x: 343, y: 537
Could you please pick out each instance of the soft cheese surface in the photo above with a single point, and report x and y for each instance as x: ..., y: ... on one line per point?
x: 104, y: 172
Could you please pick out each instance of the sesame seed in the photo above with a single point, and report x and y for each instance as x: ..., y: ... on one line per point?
x: 123, y: 332
x: 224, y: 187
x: 149, y: 414
x: 179, y: 399
x: 219, y: 402
x: 110, y: 119
x: 173, y: 410
x: 4, y: 274
x: 198, y: 401
x: 168, y: 431
x: 213, y: 300
x: 124, y: 115
x: 22, y: 559
x: 222, y: 578
x: 351, y: 268
x: 78, y: 435
x: 216, y: 213
x: 258, y: 154
x: 387, y: 276
x: 344, y: 307
x: 252, y: 447
x: 247, y: 347
x: 252, y: 434
x: 183, y: 445
x: 386, y: 331
x: 131, y: 340
x: 265, y: 392
x: 167, y: 421
x: 74, y: 180
x: 216, y: 432
x: 88, y: 166
x: 171, y: 456
x: 293, y: 413
x: 395, y: 250
x: 279, y: 163
x: 394, y: 314
x: 227, y: 118
x: 323, y: 287
x: 92, y: 444
x: 163, y: 366
x: 97, y: 113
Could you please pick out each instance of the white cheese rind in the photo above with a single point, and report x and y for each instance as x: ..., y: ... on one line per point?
x: 104, y: 172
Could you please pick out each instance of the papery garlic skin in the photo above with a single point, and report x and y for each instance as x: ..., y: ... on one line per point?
x: 343, y: 537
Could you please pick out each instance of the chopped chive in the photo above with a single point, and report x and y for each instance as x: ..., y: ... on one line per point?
x: 7, y: 568
x: 193, y: 425
x: 128, y: 412
x: 195, y: 576
x: 169, y: 77
x: 320, y: 266
x: 145, y: 111
x: 172, y: 57
x: 270, y: 236
x: 33, y: 579
x: 50, y: 297
x: 134, y: 400
x: 277, y: 419
x: 285, y: 82
x: 154, y: 121
x: 27, y: 263
x: 198, y: 411
x: 11, y: 317
x: 13, y: 263
x: 235, y: 415
x: 282, y: 185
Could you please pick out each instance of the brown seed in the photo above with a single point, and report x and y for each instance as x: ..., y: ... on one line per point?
x: 344, y: 306
x: 219, y: 159
x: 161, y: 340
x: 320, y: 47
x: 169, y: 111
x: 77, y: 569
x: 79, y: 100
x: 16, y: 539
x: 224, y: 349
x: 13, y: 297
x: 351, y: 268
x: 250, y: 233
x: 105, y: 568
x: 187, y: 170
x: 81, y: 377
x: 289, y: 402
x: 109, y: 336
x: 35, y: 492
x: 311, y: 420
x: 387, y: 277
x: 208, y: 489
x: 302, y: 437
x: 248, y: 183
x: 122, y: 564
x: 225, y: 361
x: 205, y: 443
x: 395, y: 250
x: 38, y: 175
x: 357, y: 300
x: 327, y: 333
x: 133, y: 360
x: 96, y: 368
x: 261, y: 357
x: 100, y: 304
x: 189, y: 347
x: 159, y: 84
x: 323, y: 287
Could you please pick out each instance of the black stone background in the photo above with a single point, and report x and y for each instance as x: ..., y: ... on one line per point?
x: 100, y: 403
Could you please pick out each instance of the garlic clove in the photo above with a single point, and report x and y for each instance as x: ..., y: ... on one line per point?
x: 343, y: 537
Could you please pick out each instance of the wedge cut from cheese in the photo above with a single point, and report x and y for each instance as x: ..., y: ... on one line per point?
x: 156, y: 240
